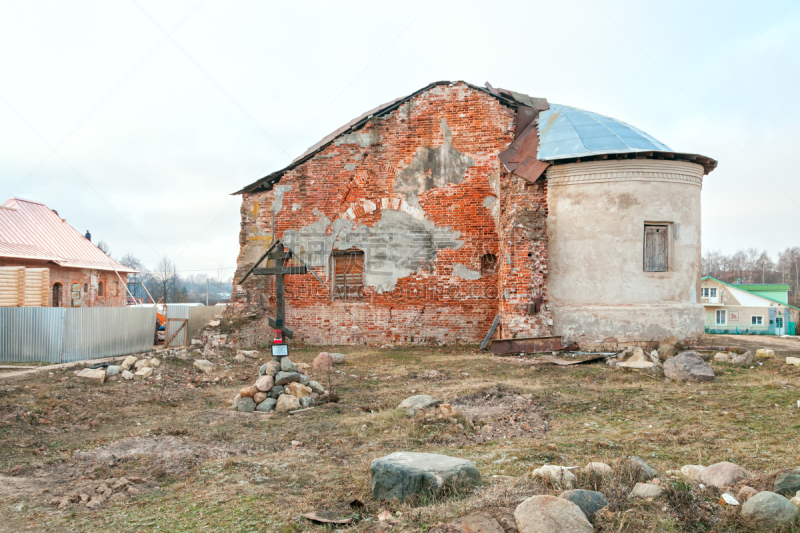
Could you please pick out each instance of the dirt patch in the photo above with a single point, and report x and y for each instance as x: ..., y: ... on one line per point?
x: 173, y: 455
x: 502, y: 411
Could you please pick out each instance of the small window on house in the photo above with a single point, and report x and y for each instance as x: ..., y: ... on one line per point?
x: 85, y: 287
x: 709, y: 292
x: 656, y: 248
x: 489, y: 264
x: 115, y: 289
x: 348, y: 275
x: 756, y: 320
x: 722, y: 317
x: 100, y: 288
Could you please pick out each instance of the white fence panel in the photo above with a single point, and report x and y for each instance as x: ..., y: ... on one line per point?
x: 30, y: 334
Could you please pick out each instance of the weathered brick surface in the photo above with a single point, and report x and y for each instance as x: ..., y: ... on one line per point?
x: 354, y: 179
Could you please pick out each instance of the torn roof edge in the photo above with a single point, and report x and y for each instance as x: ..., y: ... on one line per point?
x: 266, y: 183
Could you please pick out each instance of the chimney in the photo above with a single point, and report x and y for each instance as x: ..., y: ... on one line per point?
x: 88, y: 236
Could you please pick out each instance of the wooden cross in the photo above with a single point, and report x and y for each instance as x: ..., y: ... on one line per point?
x: 280, y: 255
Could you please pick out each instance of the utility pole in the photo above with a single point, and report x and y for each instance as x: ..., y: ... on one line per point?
x: 206, y: 290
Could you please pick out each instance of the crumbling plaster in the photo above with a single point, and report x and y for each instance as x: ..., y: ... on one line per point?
x: 597, y: 284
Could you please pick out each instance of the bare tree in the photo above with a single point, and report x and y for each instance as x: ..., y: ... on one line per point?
x: 166, y: 282
x: 104, y: 247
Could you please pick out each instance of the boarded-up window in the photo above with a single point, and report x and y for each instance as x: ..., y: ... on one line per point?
x: 100, y: 288
x: 348, y: 275
x: 656, y: 248
x: 488, y: 264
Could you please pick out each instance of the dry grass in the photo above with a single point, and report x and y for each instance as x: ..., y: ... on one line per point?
x: 241, y: 472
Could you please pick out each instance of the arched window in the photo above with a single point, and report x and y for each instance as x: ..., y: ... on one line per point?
x: 57, y: 302
x: 488, y: 264
x: 100, y: 288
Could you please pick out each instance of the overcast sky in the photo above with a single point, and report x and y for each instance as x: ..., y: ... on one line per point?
x: 137, y: 119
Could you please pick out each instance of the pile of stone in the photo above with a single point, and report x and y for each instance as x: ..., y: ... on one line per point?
x: 685, y: 366
x: 282, y: 386
x: 132, y: 368
x: 108, y: 490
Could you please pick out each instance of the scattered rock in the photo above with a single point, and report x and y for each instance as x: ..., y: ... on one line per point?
x: 401, y: 475
x: 235, y: 404
x: 768, y: 511
x: 154, y: 362
x: 246, y: 405
x: 259, y: 397
x: 286, y: 403
x: 204, y: 365
x: 118, y: 497
x: 548, y: 514
x: 588, y: 500
x: 793, y: 361
x: 127, y: 374
x: 113, y: 370
x: 558, y: 475
x: 787, y: 483
x: 140, y: 364
x: 692, y: 471
x: 745, y: 493
x: 338, y: 358
x: 95, y: 502
x: 88, y: 375
x: 728, y: 500
x: 722, y: 357
x: 721, y: 475
x: 647, y: 472
x: 599, y: 469
x: 647, y: 491
x: 688, y: 367
x: 267, y: 405
x: 306, y: 401
x: 143, y: 373
x: 668, y: 348
x: 298, y: 390
x: 743, y: 359
x: 316, y: 387
x: 252, y: 354
x: 637, y: 356
x: 323, y: 362
x: 414, y: 404
x: 265, y: 383
x: 239, y: 358
x: 128, y: 363
x: 639, y: 365
x: 765, y: 353
x: 284, y: 378
x: 249, y: 392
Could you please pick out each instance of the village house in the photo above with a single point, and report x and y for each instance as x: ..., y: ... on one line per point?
x: 80, y: 274
x: 761, y: 309
x: 429, y: 216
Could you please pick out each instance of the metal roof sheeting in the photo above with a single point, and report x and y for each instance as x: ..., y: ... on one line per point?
x: 567, y: 132
x: 31, y: 230
x: 763, y: 286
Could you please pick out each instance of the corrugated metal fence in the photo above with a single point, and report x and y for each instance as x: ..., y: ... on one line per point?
x: 198, y: 317
x: 59, y: 335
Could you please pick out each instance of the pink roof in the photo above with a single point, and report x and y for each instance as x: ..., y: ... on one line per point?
x: 31, y: 230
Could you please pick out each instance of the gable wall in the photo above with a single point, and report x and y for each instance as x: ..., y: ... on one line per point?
x: 422, y: 192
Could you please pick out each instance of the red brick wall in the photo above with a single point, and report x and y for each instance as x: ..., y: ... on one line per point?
x: 87, y: 281
x: 350, y: 182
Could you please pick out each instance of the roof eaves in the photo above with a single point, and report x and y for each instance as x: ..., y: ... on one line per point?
x: 267, y: 182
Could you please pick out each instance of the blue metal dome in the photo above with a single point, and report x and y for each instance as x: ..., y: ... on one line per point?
x: 566, y: 132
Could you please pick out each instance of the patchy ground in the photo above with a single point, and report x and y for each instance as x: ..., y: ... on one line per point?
x: 193, y: 466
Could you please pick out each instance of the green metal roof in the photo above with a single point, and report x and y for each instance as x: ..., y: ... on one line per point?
x: 763, y: 287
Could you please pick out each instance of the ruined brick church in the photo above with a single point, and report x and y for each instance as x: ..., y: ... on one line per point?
x: 427, y: 217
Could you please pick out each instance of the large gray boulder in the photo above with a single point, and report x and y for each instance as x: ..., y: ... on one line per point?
x: 721, y: 475
x: 401, y: 475
x: 548, y: 514
x: 688, y: 366
x: 588, y: 500
x: 788, y: 483
x: 768, y: 511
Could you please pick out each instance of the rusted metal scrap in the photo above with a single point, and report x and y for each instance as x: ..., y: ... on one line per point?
x: 529, y: 345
